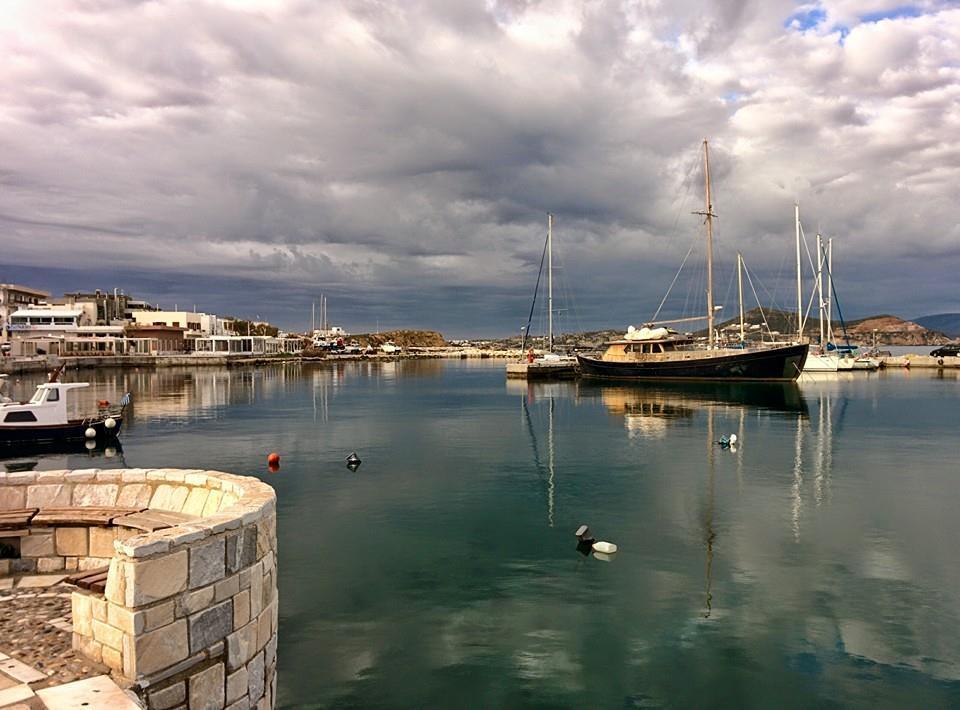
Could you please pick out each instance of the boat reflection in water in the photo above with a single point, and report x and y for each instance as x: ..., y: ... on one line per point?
x: 63, y: 455
x: 676, y: 400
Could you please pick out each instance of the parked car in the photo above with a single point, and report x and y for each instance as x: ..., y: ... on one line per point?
x: 947, y: 351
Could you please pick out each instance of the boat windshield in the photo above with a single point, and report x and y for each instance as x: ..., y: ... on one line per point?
x: 38, y: 396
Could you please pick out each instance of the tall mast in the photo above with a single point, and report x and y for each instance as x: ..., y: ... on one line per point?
x: 740, y: 292
x: 550, y: 282
x: 796, y: 208
x: 820, y: 288
x: 709, y: 218
x: 313, y: 317
x: 830, y: 289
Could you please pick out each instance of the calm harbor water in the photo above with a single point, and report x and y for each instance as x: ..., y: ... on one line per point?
x: 815, y: 565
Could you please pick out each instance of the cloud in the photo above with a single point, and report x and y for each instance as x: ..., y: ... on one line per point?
x: 377, y: 149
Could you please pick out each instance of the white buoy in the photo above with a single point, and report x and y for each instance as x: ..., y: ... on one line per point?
x: 90, y: 444
x: 110, y: 423
x: 109, y: 452
x: 90, y: 433
x: 605, y: 548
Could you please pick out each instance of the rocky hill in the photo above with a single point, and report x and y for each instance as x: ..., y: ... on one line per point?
x: 891, y: 330
x: 403, y: 338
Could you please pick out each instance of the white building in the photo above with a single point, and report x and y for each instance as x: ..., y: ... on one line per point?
x: 12, y: 299
x: 195, y: 324
x: 58, y: 330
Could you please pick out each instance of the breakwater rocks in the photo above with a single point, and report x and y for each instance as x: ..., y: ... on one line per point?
x: 185, y: 611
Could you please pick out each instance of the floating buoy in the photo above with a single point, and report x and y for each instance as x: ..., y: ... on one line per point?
x: 273, y: 459
x: 90, y: 433
x: 727, y: 441
x: 273, y: 467
x: 583, y: 534
x: 605, y: 548
x: 90, y: 444
x: 110, y: 423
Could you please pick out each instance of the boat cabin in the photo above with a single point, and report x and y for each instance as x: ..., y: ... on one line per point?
x: 644, y: 344
x: 47, y: 406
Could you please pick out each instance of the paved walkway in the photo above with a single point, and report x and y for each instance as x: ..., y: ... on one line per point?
x: 38, y: 666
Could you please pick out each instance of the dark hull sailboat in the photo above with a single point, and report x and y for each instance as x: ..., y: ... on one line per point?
x: 783, y: 363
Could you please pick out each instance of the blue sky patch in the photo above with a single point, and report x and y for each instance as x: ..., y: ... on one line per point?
x: 805, y: 20
x: 892, y: 14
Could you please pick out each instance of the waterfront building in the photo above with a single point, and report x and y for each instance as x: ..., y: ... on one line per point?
x: 195, y: 325
x: 14, y: 297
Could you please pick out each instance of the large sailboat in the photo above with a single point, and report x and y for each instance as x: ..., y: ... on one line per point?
x: 658, y: 353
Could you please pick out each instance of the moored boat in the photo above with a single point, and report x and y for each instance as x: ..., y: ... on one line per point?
x: 44, y: 419
x: 663, y: 354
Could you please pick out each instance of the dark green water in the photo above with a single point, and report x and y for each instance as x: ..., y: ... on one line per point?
x: 816, y: 566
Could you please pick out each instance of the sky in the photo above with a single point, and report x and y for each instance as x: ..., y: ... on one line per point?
x: 244, y: 157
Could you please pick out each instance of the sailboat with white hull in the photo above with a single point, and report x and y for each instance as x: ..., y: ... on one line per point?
x: 662, y: 354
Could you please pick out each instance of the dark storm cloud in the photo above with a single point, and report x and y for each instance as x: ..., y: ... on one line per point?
x: 250, y: 155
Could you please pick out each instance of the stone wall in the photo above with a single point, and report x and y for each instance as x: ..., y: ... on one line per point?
x: 189, y: 616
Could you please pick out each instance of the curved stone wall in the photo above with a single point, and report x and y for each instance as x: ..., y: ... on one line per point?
x: 189, y: 613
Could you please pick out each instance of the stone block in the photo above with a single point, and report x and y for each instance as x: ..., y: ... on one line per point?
x: 211, y: 625
x: 88, y: 563
x: 241, y: 609
x: 159, y: 649
x: 99, y: 608
x: 101, y: 541
x: 155, y: 616
x: 241, y: 646
x: 107, y: 634
x: 256, y: 590
x: 71, y: 541
x: 193, y: 602
x: 49, y: 495
x: 133, y: 475
x: 169, y: 697
x: 169, y: 497
x: 206, y: 689
x: 81, y: 614
x: 70, y: 564
x: 154, y: 579
x: 270, y: 652
x: 95, y: 494
x: 212, y: 504
x: 255, y: 678
x: 116, y: 589
x: 83, y: 475
x: 264, y: 632
x: 112, y: 658
x: 109, y: 476
x: 50, y: 564
x: 226, y: 589
x: 13, y: 497
x: 135, y: 495
x: 196, y: 500
x: 237, y: 685
x: 88, y: 647
x: 206, y: 563
x: 37, y: 545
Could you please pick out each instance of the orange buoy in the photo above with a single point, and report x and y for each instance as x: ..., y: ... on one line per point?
x: 273, y: 459
x: 103, y: 403
x: 273, y: 467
